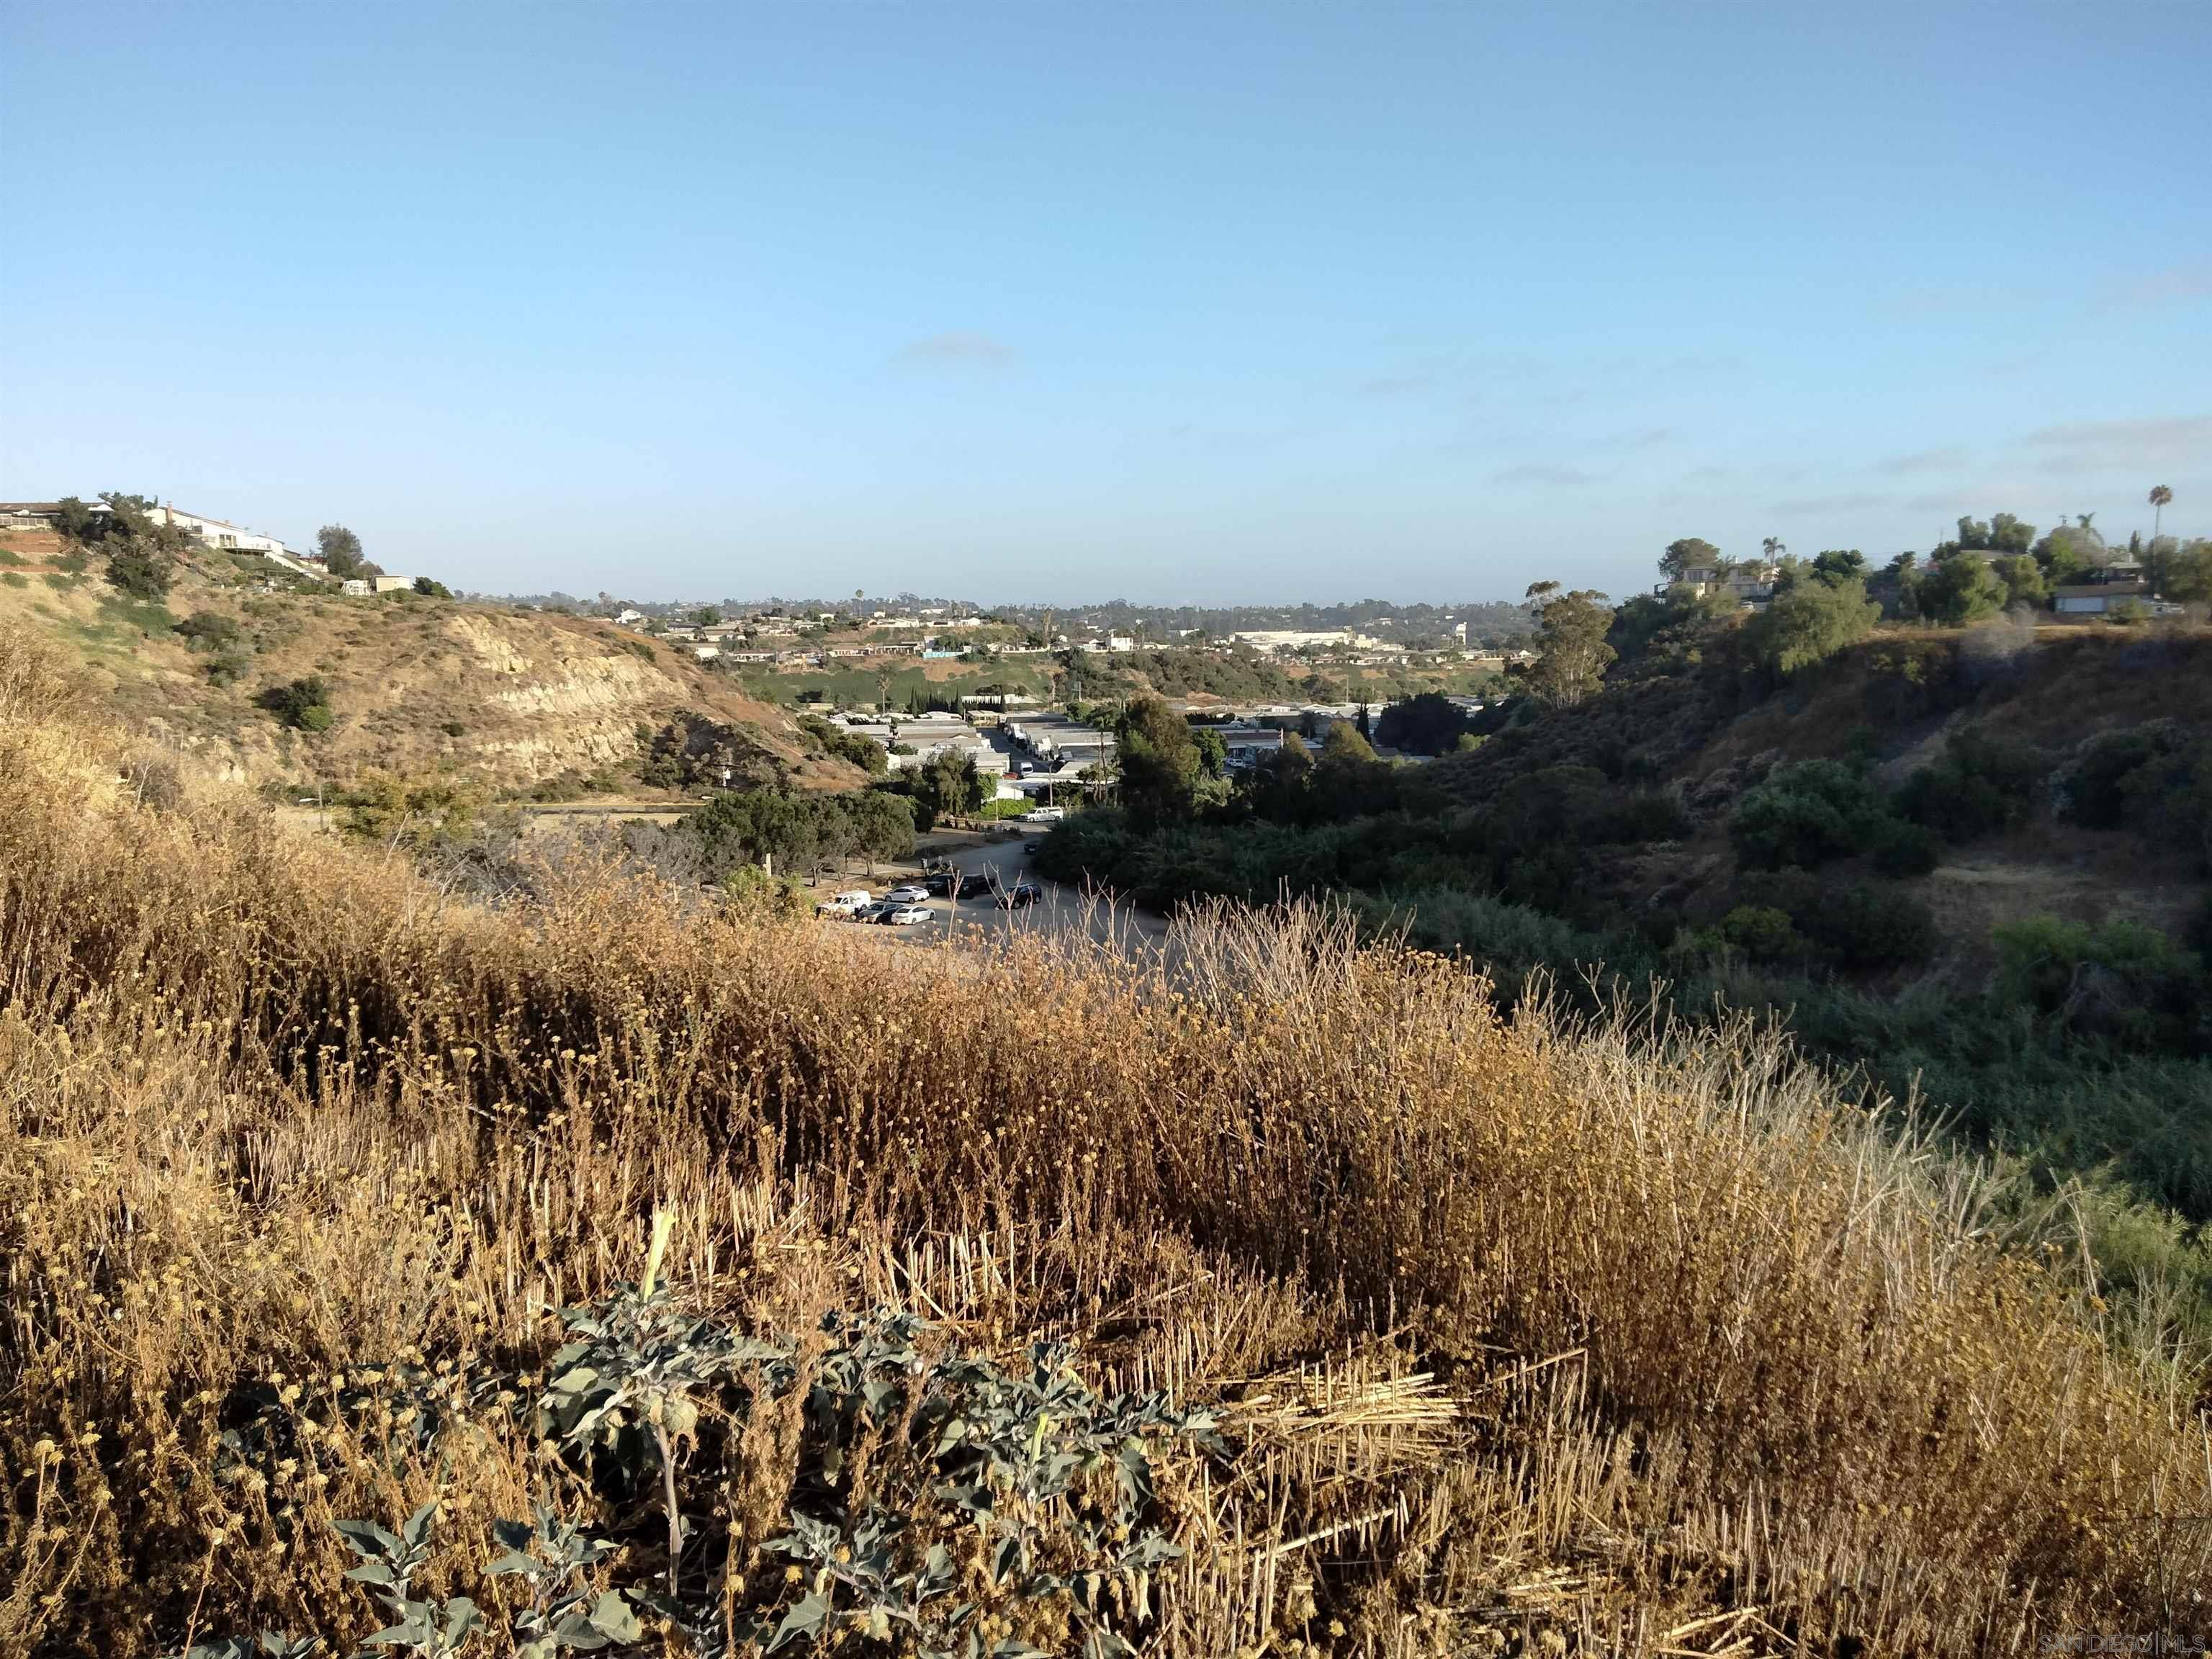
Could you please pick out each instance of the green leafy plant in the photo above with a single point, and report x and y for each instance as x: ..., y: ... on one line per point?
x: 302, y: 704
x: 553, y: 1556
x: 629, y: 1381
x: 389, y: 1562
x: 267, y: 1645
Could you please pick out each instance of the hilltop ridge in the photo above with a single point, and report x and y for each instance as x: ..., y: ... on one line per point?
x: 415, y: 685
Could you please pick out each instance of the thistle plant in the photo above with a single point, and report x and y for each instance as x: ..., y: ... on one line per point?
x: 267, y: 1645
x: 628, y: 1385
x: 554, y: 1556
x: 389, y: 1562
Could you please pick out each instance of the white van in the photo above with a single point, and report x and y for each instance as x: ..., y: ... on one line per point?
x: 844, y: 904
x: 1045, y: 815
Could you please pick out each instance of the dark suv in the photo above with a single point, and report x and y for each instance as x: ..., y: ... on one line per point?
x: 1017, y: 897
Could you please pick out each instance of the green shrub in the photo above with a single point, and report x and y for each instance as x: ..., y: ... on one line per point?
x: 1764, y: 933
x: 1804, y: 815
x: 2154, y: 779
x: 1509, y: 942
x: 849, y: 746
x: 2088, y: 788
x: 142, y: 572
x: 1981, y: 785
x: 1906, y: 850
x: 303, y: 704
x: 209, y: 630
x: 228, y: 667
x: 2119, y: 982
x: 1853, y: 925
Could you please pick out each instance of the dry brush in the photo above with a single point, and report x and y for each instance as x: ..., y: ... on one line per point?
x: 1613, y: 1335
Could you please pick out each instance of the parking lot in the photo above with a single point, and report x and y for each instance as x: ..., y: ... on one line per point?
x: 1005, y: 865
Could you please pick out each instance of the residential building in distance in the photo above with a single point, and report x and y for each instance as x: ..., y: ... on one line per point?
x: 1292, y: 639
x: 2109, y: 588
x: 1751, y: 584
x: 219, y: 533
x: 37, y: 515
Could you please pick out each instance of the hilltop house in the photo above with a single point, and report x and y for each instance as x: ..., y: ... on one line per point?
x: 2104, y: 590
x: 219, y: 533
x: 38, y: 515
x: 1751, y: 584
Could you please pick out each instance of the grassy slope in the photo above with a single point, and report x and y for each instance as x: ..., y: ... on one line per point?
x: 1639, y: 1339
x: 534, y: 697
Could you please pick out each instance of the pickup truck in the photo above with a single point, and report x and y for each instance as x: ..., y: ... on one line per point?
x: 846, y: 904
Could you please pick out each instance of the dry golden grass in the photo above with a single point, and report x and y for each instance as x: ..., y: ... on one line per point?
x: 1611, y: 1339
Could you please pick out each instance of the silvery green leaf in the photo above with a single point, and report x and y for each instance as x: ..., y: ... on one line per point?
x: 416, y: 1630
x: 613, y: 1617
x: 806, y: 1620
x: 366, y: 1538
x: 462, y: 1617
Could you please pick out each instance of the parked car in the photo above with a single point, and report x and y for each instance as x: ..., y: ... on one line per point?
x: 1020, y: 897
x: 911, y: 893
x: 973, y: 886
x: 1045, y: 815
x: 905, y: 915
x: 846, y: 904
x: 875, y: 912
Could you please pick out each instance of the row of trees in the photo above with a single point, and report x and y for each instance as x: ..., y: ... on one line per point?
x: 799, y: 831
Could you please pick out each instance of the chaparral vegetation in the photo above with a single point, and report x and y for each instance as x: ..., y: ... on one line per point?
x: 620, y: 1268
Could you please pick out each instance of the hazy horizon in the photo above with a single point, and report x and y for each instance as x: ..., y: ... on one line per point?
x: 1210, y: 305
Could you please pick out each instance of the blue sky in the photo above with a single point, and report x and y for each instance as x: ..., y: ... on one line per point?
x: 1188, y: 303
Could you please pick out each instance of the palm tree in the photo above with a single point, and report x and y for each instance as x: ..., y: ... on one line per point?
x: 2160, y: 495
x: 1774, y: 548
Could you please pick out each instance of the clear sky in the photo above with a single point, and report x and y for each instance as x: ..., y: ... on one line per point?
x: 1057, y: 301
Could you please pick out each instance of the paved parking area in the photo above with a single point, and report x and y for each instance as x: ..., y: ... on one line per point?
x: 1006, y: 863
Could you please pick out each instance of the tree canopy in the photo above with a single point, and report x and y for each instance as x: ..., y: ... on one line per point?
x: 342, y: 554
x: 798, y: 830
x: 1572, y: 652
x: 1689, y: 553
x: 1817, y: 609
x: 1159, y: 761
x: 1428, y: 723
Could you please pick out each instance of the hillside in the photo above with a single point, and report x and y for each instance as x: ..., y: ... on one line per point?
x: 1973, y: 867
x: 416, y: 686
x: 1893, y: 703
x: 1288, y: 1300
